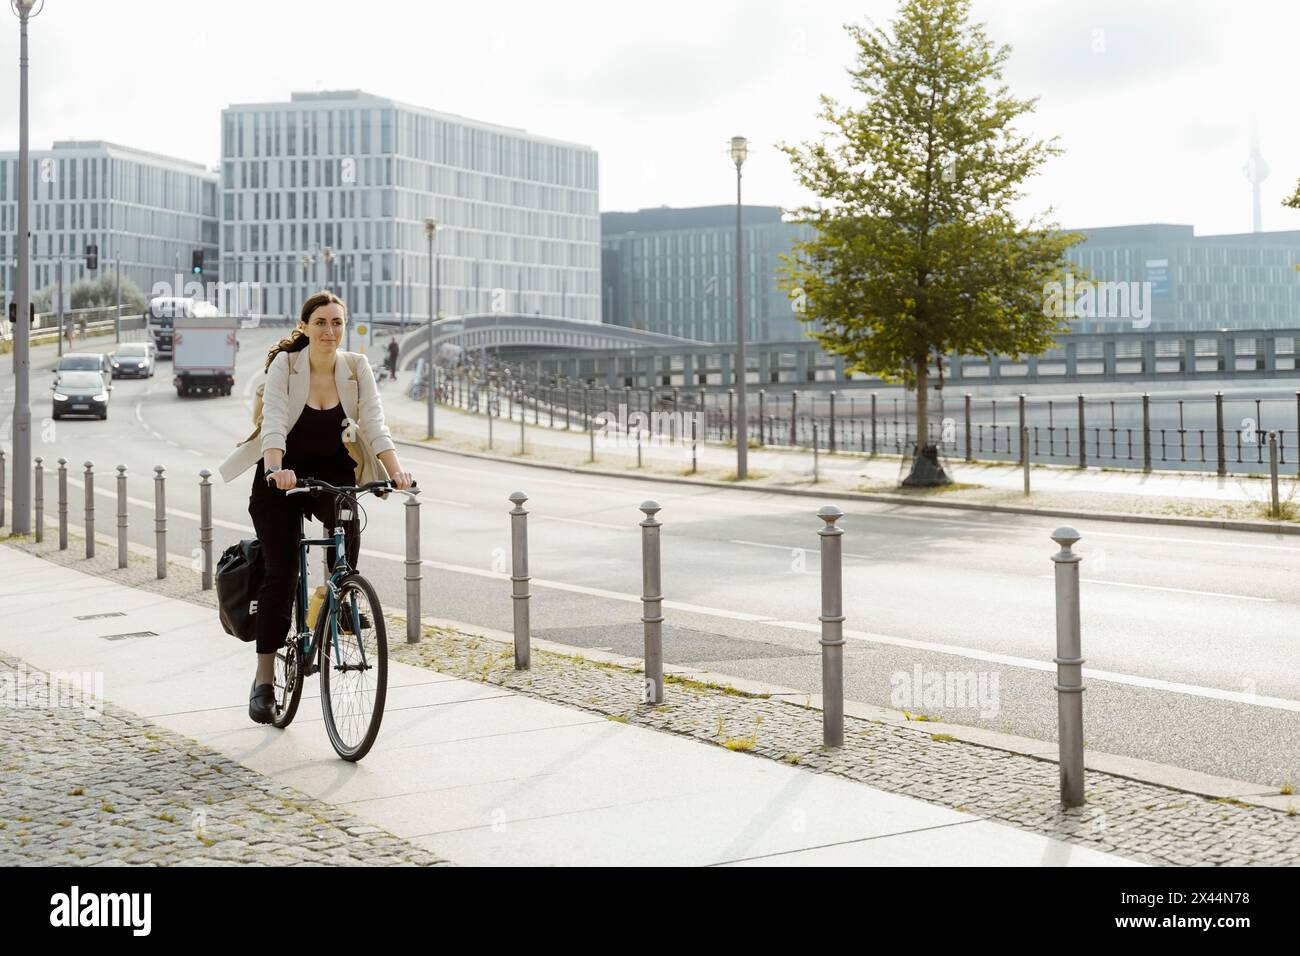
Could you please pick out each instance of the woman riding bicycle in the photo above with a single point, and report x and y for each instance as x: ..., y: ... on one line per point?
x: 313, y: 409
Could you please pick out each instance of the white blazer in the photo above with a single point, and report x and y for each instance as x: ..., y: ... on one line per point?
x: 285, y: 395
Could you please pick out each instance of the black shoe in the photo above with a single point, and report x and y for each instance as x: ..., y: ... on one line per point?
x: 345, y: 620
x: 261, y: 703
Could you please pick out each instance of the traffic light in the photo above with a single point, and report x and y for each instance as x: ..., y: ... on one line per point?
x: 196, y: 262
x: 92, y: 258
x: 31, y: 313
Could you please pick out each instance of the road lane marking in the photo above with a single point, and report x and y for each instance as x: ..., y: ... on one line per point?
x: 1157, y: 587
x: 1150, y: 683
x: 791, y: 547
x: 589, y: 524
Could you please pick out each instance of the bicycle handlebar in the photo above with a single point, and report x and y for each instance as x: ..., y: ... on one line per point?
x: 379, y: 488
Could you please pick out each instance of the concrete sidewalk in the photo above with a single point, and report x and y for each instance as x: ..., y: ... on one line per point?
x: 480, y: 775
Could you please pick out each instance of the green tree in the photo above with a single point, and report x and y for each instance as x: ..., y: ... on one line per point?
x: 100, y: 292
x: 916, y: 252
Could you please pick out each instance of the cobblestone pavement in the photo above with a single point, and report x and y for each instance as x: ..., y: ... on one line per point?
x: 106, y: 787
x: 1141, y: 821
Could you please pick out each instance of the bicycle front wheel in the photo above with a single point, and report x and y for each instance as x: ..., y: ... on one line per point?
x: 354, y: 668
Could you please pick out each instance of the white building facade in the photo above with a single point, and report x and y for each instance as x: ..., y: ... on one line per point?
x: 332, y: 189
x: 147, y: 213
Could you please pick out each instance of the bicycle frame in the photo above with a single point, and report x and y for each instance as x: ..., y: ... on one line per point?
x: 330, y: 604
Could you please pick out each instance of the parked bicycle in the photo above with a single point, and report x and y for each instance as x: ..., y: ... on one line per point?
x: 348, y: 645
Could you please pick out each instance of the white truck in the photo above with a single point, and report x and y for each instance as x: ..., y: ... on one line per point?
x: 204, y: 354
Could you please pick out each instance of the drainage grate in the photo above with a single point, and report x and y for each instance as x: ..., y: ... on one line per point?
x: 128, y: 634
x: 92, y: 617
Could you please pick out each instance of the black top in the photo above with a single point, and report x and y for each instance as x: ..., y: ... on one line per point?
x: 314, y: 446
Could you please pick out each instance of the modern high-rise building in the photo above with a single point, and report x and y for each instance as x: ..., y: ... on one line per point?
x: 333, y: 188
x: 674, y: 271
x: 147, y: 213
x: 1238, y: 281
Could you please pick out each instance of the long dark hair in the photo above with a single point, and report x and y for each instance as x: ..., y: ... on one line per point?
x: 297, y: 340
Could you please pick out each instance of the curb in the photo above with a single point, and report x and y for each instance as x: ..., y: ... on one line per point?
x: 1128, y: 768
x: 1221, y: 524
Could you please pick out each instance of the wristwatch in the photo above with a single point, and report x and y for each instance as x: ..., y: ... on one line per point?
x: 271, y: 471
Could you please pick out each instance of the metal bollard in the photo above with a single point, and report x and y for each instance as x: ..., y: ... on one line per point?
x: 1218, y: 426
x: 63, y: 504
x: 694, y: 461
x: 1275, y: 510
x: 489, y: 418
x: 830, y: 447
x: 1069, y: 668
x: 1146, y: 432
x: 2, y: 481
x: 1083, y: 437
x: 968, y: 428
x: 873, y: 423
x: 816, y: 461
x: 121, y: 516
x: 160, y: 520
x: 762, y: 411
x: 794, y: 417
x: 90, y: 509
x: 1024, y: 444
x: 522, y: 446
x: 205, y: 526
x: 38, y: 498
x: 413, y: 576
x: 731, y: 414
x: 638, y: 446
x: 652, y: 606
x: 591, y: 443
x: 832, y: 618
x: 519, y: 579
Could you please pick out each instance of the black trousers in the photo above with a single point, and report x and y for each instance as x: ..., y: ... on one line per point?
x: 275, y: 515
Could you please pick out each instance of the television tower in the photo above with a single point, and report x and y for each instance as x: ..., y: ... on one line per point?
x: 1256, y: 170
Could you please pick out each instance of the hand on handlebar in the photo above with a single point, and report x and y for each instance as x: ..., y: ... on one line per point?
x: 284, y: 479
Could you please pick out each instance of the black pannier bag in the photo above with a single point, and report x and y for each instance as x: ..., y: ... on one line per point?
x: 238, y: 579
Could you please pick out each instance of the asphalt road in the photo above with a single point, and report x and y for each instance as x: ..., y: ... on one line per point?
x: 1187, y: 632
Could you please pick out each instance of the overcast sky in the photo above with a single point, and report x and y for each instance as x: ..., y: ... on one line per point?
x: 1153, y: 100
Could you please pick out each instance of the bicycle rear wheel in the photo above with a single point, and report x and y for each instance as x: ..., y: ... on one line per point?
x: 288, y: 682
x: 354, y: 673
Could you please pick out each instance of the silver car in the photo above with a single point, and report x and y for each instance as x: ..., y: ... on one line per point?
x: 82, y: 362
x: 133, y: 358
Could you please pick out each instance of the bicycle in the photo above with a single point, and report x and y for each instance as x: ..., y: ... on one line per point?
x: 352, y: 660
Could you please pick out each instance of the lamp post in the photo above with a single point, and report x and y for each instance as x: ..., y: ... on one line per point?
x: 430, y: 229
x: 22, y: 427
x: 328, y: 256
x: 739, y: 150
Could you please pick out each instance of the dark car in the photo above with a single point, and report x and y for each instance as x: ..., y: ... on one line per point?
x: 132, y: 358
x: 81, y: 393
x: 82, y: 362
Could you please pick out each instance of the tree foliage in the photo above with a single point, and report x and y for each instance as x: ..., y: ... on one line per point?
x: 916, y: 251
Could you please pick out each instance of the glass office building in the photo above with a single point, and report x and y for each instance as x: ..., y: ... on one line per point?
x: 1239, y: 281
x: 147, y: 211
x: 333, y: 188
x: 674, y: 271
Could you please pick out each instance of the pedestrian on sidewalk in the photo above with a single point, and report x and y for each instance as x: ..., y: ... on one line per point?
x: 391, y: 361
x: 309, y: 429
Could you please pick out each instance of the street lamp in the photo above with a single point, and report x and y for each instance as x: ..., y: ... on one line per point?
x: 21, y: 440
x: 431, y: 229
x: 328, y: 256
x: 739, y: 150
